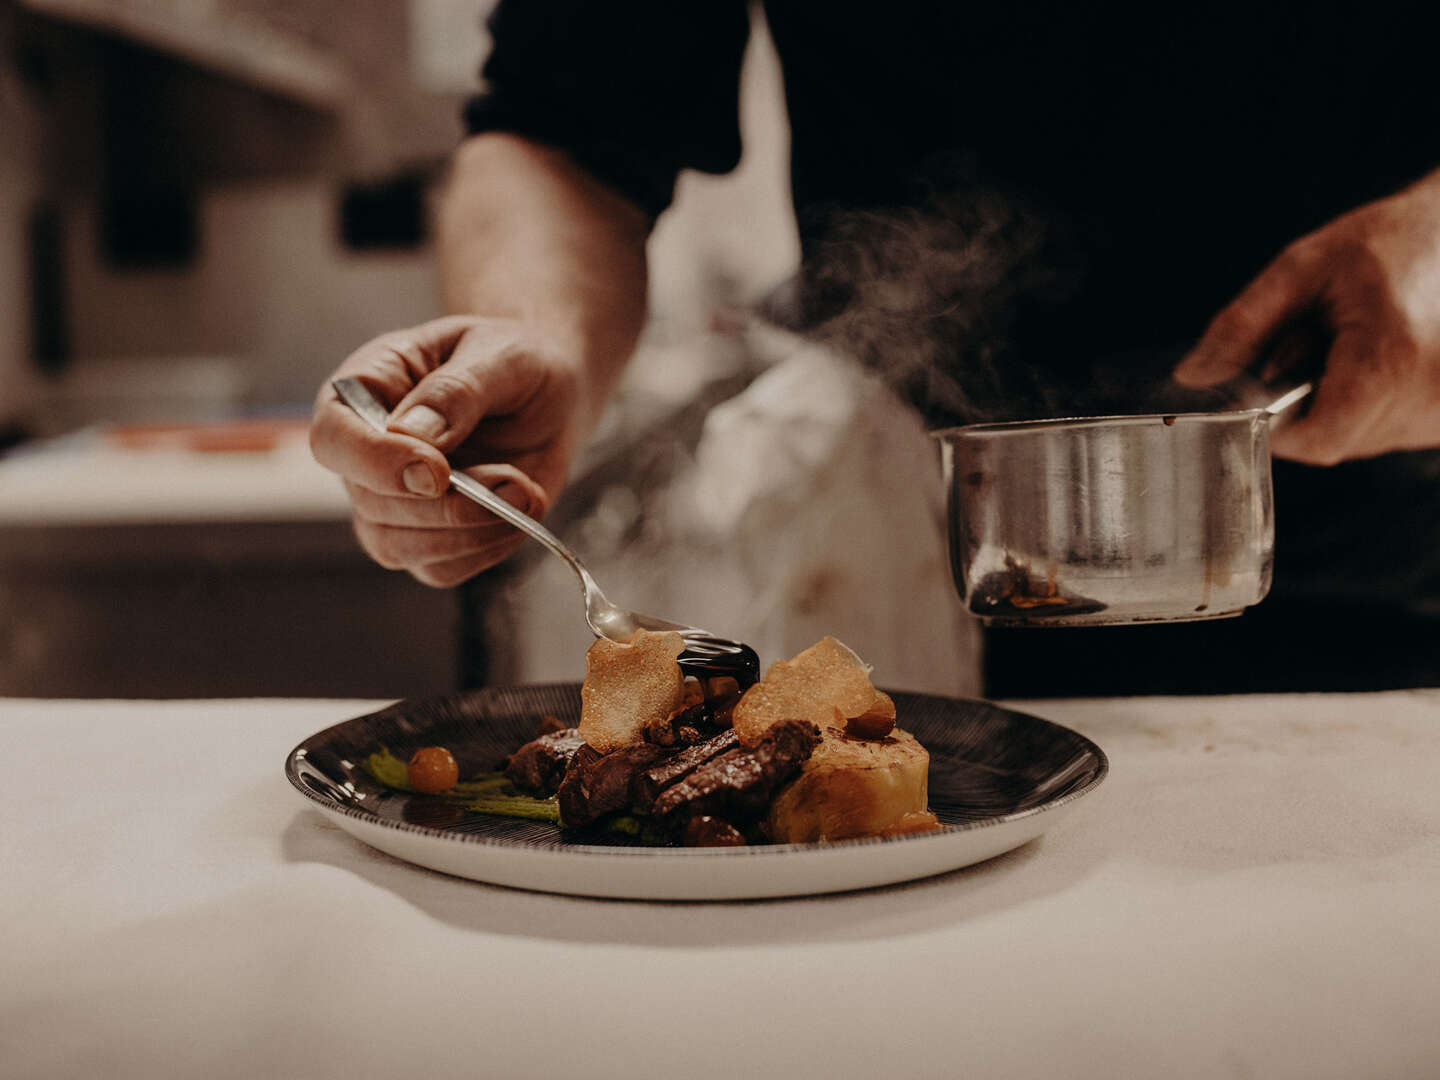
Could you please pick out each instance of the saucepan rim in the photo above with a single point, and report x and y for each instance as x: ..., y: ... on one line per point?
x: 1078, y: 423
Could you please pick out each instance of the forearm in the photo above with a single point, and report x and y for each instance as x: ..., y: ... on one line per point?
x: 526, y: 234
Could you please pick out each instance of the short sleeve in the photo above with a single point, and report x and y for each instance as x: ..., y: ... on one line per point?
x: 634, y: 90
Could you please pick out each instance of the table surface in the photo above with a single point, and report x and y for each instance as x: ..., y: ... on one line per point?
x: 1254, y: 892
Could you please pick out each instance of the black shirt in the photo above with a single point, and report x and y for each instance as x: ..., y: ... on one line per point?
x: 1146, y: 166
x: 1035, y: 206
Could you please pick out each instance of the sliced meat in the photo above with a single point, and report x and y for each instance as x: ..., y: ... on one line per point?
x: 677, y: 766
x: 707, y: 831
x: 737, y: 785
x: 599, y: 784
x: 538, y: 767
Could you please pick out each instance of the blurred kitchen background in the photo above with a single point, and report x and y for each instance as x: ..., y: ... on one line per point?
x: 205, y: 204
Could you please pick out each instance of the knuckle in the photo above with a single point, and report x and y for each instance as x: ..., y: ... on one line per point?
x: 412, y: 351
x: 370, y: 508
x: 461, y: 513
x: 524, y: 353
x: 537, y: 359
x: 446, y: 385
x: 373, y: 540
x: 396, y: 358
x: 425, y: 576
x: 402, y: 341
x: 440, y: 575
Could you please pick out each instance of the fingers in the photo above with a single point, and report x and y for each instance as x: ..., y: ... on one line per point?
x: 393, y: 363
x: 487, y: 376
x: 1350, y: 411
x: 1236, y: 338
x: 440, y: 380
x: 435, y: 557
x: 443, y: 541
x: 398, y: 547
x: 379, y: 462
x: 389, y: 366
x: 448, y: 574
x: 453, y: 510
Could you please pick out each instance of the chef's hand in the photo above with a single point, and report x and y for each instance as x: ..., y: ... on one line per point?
x: 482, y: 391
x: 1371, y: 279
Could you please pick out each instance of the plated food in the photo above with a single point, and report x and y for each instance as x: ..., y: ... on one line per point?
x: 808, y: 753
x: 997, y: 779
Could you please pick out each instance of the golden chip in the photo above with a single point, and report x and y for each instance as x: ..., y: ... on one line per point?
x: 825, y: 684
x: 629, y: 685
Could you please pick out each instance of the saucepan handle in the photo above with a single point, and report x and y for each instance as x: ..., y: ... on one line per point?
x: 1291, y: 365
x: 1281, y: 406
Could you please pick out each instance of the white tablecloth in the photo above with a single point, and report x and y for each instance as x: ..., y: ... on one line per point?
x: 1254, y: 892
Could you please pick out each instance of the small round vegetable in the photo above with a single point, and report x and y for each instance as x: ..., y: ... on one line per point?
x: 433, y: 770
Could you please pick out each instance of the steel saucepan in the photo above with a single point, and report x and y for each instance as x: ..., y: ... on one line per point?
x: 1112, y: 519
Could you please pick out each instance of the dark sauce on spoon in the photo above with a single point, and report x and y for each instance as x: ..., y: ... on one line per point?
x: 706, y: 658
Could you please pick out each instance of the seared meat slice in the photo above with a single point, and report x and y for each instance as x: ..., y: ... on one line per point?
x: 649, y: 783
x: 598, y: 784
x: 739, y: 784
x: 538, y: 767
x: 707, y: 831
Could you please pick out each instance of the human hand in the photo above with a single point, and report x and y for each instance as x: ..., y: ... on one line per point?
x: 484, y: 394
x: 1371, y: 281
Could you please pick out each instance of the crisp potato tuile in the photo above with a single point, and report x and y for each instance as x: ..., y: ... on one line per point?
x: 629, y: 686
x: 855, y: 787
x: 825, y: 681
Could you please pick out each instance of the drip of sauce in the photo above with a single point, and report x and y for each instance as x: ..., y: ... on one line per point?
x: 706, y: 658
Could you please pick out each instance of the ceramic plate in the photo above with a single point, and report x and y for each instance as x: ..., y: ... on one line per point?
x: 997, y: 780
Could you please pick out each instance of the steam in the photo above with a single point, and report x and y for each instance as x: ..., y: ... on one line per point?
x: 928, y: 296
x: 957, y: 300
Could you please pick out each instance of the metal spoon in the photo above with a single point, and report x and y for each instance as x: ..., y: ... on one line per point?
x: 704, y: 654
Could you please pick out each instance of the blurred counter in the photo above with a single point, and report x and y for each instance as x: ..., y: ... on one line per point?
x: 204, y: 559
x: 169, y: 473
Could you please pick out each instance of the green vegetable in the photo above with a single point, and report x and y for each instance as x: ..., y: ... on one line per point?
x: 517, y: 806
x: 388, y: 769
x: 488, y: 793
x: 484, y: 784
